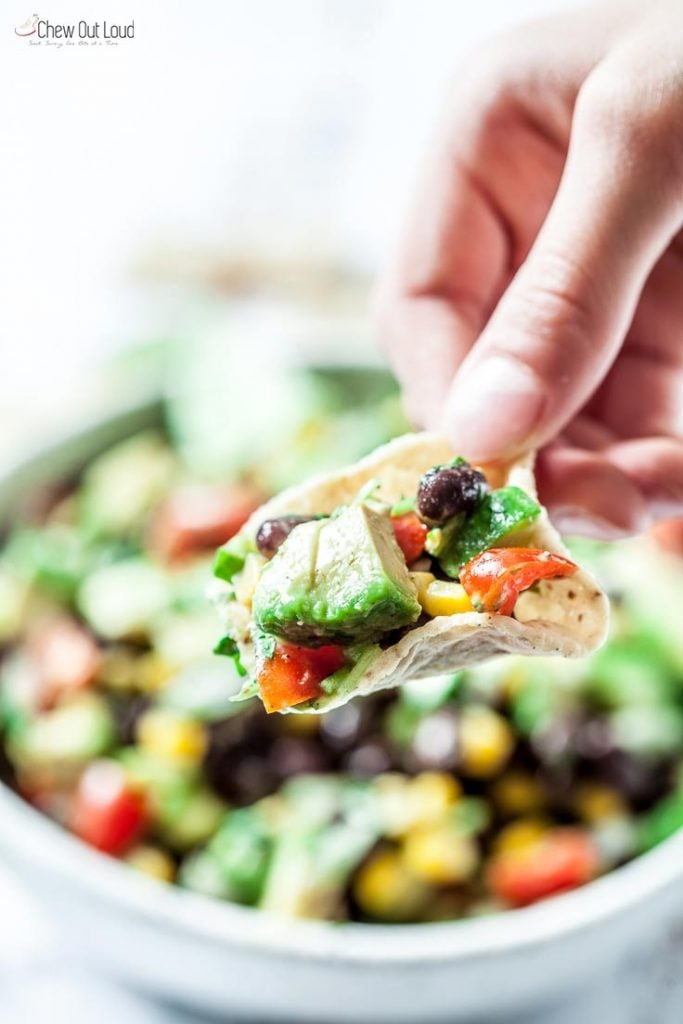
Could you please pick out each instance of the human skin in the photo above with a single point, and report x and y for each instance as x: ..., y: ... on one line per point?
x: 536, y: 299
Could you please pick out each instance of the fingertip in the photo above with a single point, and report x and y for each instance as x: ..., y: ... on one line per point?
x: 587, y: 495
x: 493, y: 409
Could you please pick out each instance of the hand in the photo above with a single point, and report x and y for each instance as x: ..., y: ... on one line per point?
x: 537, y: 299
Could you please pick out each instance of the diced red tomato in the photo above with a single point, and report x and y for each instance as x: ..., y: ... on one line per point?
x: 108, y: 813
x: 494, y: 579
x: 65, y: 657
x: 201, y: 518
x: 294, y: 674
x: 411, y: 534
x: 562, y: 859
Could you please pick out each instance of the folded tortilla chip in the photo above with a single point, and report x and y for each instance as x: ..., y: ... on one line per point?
x: 565, y: 616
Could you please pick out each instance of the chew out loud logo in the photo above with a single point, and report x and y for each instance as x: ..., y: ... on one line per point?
x: 103, y: 31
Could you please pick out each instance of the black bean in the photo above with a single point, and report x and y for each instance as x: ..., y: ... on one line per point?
x: 445, y: 491
x: 641, y: 780
x: 274, y: 532
x: 291, y: 756
x: 370, y: 758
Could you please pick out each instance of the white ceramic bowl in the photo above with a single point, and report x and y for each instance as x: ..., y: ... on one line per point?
x: 225, y: 959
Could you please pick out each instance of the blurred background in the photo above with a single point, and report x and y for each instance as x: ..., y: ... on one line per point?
x: 141, y: 181
x: 208, y: 201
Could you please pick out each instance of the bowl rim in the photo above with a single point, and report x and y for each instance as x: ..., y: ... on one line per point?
x: 30, y: 837
x: 34, y: 838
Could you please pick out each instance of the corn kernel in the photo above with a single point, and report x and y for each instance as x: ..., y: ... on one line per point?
x: 422, y: 580
x: 385, y: 889
x: 440, y: 855
x: 519, y: 834
x: 146, y: 673
x: 486, y: 741
x: 150, y: 860
x: 431, y: 795
x: 443, y: 598
x: 153, y: 673
x: 169, y: 735
x: 517, y: 793
x: 300, y: 725
x: 595, y: 803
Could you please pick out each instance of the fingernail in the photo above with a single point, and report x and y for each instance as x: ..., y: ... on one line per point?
x: 493, y: 409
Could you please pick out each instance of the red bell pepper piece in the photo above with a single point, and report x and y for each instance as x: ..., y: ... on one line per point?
x: 107, y: 813
x: 294, y: 674
x: 411, y: 534
x: 201, y: 517
x: 562, y: 859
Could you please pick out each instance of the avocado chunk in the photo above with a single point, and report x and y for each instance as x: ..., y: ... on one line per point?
x: 501, y: 513
x: 340, y: 580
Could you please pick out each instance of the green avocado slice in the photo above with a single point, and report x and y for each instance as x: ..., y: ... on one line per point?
x: 340, y: 580
x: 507, y: 511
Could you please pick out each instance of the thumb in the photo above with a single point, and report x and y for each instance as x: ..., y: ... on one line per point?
x: 559, y: 326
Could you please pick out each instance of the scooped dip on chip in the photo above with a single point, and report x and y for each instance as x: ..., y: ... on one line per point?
x: 406, y: 565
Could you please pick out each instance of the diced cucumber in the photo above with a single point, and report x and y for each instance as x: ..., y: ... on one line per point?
x: 242, y: 848
x: 184, y: 812
x: 312, y: 863
x: 13, y: 598
x: 201, y: 872
x: 189, y: 818
x: 230, y: 558
x: 122, y: 600
x: 69, y: 735
x: 121, y: 487
x: 664, y: 820
x: 204, y: 690
x: 183, y: 638
x: 630, y: 672
x: 649, y: 731
x: 158, y: 775
x: 55, y: 558
x: 19, y: 693
x: 427, y: 695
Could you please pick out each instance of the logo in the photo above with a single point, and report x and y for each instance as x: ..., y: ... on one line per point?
x: 81, y: 33
x: 29, y: 27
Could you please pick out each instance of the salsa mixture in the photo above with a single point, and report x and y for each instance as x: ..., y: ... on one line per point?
x: 314, y: 599
x: 451, y: 797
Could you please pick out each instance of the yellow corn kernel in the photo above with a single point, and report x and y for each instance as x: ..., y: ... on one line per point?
x: 519, y: 834
x: 385, y: 889
x: 300, y: 725
x: 440, y: 855
x: 152, y: 861
x: 517, y: 793
x: 431, y: 795
x: 486, y: 741
x: 595, y: 802
x: 145, y: 673
x: 443, y: 598
x: 167, y: 734
x: 422, y: 580
x: 153, y: 672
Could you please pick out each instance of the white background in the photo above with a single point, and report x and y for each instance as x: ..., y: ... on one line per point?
x: 290, y: 125
x: 293, y: 126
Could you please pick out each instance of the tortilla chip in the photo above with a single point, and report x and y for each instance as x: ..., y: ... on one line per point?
x: 567, y: 616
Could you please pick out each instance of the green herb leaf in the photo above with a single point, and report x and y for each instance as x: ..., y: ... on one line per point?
x: 227, y: 647
x: 402, y: 507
